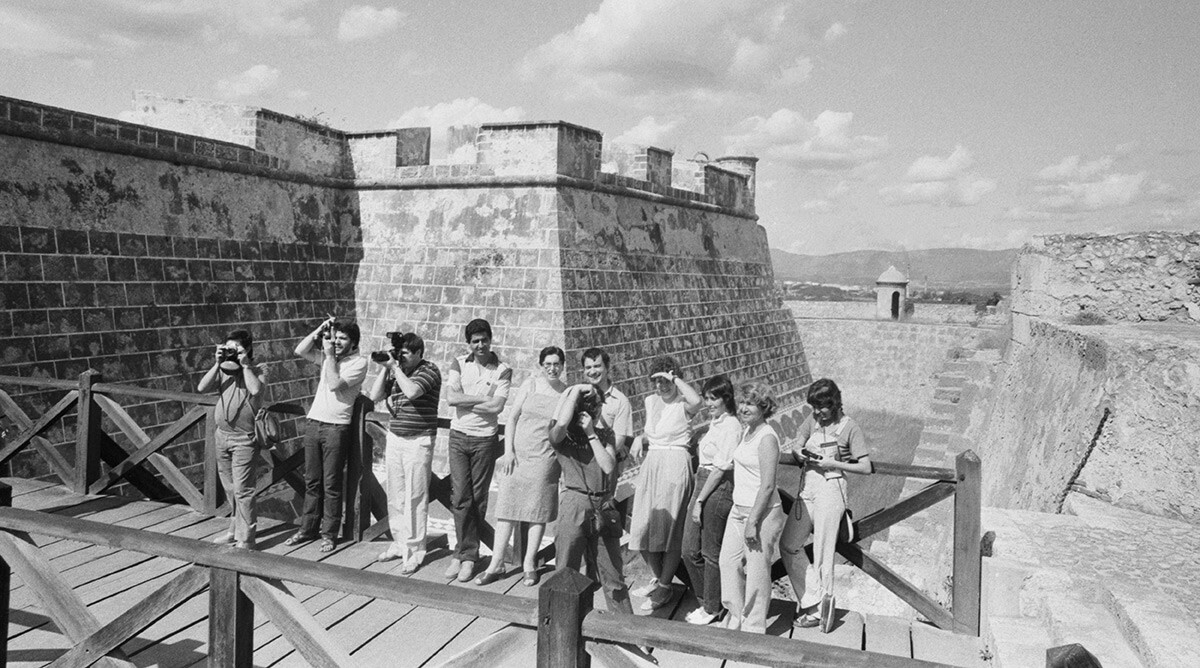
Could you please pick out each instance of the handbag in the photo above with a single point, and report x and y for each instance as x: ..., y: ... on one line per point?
x: 267, y: 432
x: 846, y: 527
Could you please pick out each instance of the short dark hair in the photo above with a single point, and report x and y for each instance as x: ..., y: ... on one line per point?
x: 477, y: 326
x: 825, y: 392
x: 552, y: 350
x: 594, y: 353
x: 722, y: 388
x: 242, y: 336
x: 412, y: 342
x: 761, y: 395
x: 350, y: 329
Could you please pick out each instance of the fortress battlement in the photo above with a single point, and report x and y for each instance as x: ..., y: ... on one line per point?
x: 243, y: 138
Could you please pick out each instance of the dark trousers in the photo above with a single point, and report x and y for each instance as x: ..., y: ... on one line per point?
x: 472, y: 461
x: 588, y: 533
x: 702, y: 542
x: 325, y: 448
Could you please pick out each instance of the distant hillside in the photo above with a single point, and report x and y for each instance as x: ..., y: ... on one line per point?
x: 943, y: 268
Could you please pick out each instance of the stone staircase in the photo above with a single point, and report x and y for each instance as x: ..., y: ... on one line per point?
x: 1119, y: 582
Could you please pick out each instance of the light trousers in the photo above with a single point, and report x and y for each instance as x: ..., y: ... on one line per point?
x: 408, y: 460
x: 746, y: 571
x: 238, y: 463
x: 817, y: 512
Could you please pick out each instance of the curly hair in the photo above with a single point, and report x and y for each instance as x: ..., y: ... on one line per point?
x: 761, y: 395
x: 664, y: 363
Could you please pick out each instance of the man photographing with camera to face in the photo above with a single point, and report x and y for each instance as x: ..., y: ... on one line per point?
x: 334, y: 346
x: 239, y: 385
x: 412, y: 386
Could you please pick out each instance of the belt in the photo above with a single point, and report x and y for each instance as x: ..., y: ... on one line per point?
x: 669, y: 447
x: 594, y: 495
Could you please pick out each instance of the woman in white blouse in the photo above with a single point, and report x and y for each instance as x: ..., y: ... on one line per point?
x: 756, y: 520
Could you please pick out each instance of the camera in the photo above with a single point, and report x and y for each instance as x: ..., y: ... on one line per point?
x: 326, y: 329
x: 227, y: 353
x: 382, y: 356
x: 588, y: 402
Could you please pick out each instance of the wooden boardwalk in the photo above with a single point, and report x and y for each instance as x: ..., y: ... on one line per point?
x: 373, y: 631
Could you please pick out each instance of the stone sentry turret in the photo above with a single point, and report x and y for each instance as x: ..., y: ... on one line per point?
x: 209, y: 214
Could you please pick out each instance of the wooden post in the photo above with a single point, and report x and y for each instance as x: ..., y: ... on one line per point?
x: 230, y: 621
x: 563, y: 601
x: 357, y: 506
x: 968, y: 565
x: 212, y: 480
x: 87, y: 435
x: 5, y: 583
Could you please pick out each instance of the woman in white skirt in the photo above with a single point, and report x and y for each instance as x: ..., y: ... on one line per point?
x: 664, y: 483
x: 828, y: 445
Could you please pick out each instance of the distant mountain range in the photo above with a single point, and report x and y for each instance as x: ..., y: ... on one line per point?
x: 939, y: 268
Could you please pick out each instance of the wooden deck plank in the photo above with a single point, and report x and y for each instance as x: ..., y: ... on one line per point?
x: 482, y: 628
x: 92, y: 556
x: 933, y: 644
x: 672, y: 659
x: 23, y: 486
x: 888, y: 635
x: 847, y: 631
x: 779, y: 623
x: 327, y: 606
x: 417, y: 633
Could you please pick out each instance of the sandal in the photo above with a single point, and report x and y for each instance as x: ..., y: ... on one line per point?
x: 488, y: 577
x: 327, y: 544
x: 298, y: 538
x: 531, y: 578
x: 809, y: 621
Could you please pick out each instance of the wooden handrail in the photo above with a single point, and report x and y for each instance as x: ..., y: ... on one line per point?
x: 735, y: 646
x: 49, y: 383
x: 894, y: 469
x: 371, y: 584
x: 152, y: 393
x: 231, y: 564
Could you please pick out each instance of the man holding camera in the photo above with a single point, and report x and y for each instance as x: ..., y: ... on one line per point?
x: 239, y: 385
x: 589, y: 525
x: 412, y: 385
x: 477, y: 388
x: 334, y: 346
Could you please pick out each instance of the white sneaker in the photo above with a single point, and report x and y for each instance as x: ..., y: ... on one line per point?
x: 226, y: 538
x: 646, y: 590
x: 700, y: 617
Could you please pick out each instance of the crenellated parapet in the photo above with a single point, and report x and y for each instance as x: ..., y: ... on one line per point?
x: 213, y: 133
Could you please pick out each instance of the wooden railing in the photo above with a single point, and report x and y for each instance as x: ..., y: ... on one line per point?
x: 366, y: 507
x: 92, y: 399
x: 963, y: 483
x: 238, y: 581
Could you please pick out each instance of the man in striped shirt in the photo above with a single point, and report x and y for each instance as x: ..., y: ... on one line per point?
x: 412, y: 386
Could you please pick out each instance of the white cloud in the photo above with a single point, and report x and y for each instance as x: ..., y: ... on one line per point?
x: 967, y: 191
x: 1071, y: 168
x: 648, y: 132
x: 940, y: 181
x: 664, y: 47
x: 1111, y: 191
x: 462, y: 111
x: 254, y: 81
x: 935, y: 168
x: 835, y: 31
x: 299, y: 94
x: 823, y: 143
x: 363, y: 22
x: 28, y: 33
x: 68, y: 28
x: 795, y: 74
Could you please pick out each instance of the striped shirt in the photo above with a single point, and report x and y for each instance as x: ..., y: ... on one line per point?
x: 416, y: 417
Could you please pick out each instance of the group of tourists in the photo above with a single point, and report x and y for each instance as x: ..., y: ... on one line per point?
x: 559, y: 461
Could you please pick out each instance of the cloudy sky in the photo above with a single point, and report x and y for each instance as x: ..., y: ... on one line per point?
x: 879, y: 124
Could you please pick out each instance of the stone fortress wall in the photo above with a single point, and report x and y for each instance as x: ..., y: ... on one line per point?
x: 1107, y: 410
x: 132, y: 248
